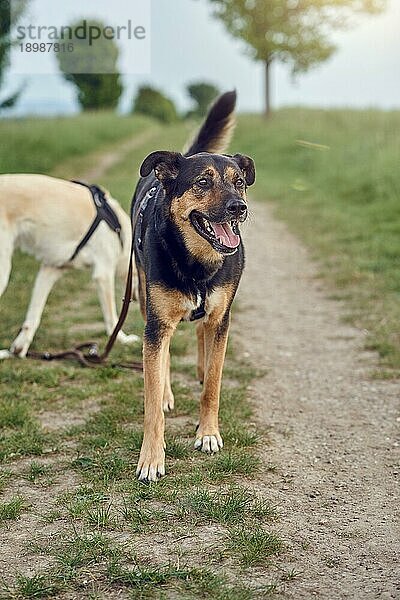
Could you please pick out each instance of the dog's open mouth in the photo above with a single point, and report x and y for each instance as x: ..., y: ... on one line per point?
x: 224, y: 237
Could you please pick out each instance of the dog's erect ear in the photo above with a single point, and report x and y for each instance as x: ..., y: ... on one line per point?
x: 165, y: 165
x: 246, y: 164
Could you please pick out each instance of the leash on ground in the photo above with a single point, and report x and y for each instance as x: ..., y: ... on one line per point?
x: 92, y: 358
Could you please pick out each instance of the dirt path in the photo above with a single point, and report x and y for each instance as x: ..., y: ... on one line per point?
x: 96, y: 164
x: 332, y: 428
x: 107, y: 160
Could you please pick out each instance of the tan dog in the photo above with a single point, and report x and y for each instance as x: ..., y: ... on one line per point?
x: 47, y: 218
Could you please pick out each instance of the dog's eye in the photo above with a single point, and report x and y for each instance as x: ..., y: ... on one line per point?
x: 239, y: 183
x: 203, y: 182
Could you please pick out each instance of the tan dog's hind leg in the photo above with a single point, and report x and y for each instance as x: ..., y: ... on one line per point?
x: 208, y: 438
x: 6, y: 251
x: 44, y: 283
x: 106, y: 292
x: 200, y: 352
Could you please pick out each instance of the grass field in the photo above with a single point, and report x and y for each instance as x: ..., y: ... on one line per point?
x: 38, y: 145
x: 70, y: 507
x: 334, y: 177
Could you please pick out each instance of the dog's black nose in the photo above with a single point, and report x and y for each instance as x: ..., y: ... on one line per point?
x: 237, y: 208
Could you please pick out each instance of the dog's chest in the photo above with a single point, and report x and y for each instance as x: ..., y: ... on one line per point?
x: 194, y: 307
x: 201, y: 306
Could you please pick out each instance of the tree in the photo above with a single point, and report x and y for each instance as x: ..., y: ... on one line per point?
x: 18, y: 7
x: 203, y: 94
x: 92, y: 68
x: 155, y: 104
x: 292, y: 31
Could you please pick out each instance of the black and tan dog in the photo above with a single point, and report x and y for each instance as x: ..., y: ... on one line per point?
x: 190, y: 258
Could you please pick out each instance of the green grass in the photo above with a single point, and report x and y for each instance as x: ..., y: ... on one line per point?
x: 13, y: 413
x: 5, y: 476
x: 342, y: 196
x: 37, y: 145
x: 10, y: 511
x: 187, y: 582
x: 227, y: 506
x: 36, y: 471
x: 29, y: 440
x: 37, y: 586
x: 79, y: 555
x: 254, y: 546
x: 235, y: 461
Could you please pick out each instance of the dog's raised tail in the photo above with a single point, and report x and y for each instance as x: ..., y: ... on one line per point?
x: 216, y: 131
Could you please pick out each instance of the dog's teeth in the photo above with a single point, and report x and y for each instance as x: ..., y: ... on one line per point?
x: 208, y: 227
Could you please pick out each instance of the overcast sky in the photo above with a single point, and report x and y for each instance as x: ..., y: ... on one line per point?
x: 188, y: 44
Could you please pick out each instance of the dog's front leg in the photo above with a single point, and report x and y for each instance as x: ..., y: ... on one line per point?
x: 151, y: 463
x: 168, y: 397
x: 200, y: 352
x: 215, y: 331
x: 164, y: 310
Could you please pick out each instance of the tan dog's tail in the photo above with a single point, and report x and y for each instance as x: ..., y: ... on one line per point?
x: 216, y: 131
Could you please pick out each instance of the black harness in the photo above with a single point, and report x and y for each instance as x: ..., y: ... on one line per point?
x: 140, y: 215
x: 104, y: 213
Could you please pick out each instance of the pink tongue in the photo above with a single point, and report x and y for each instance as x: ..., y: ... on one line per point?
x: 225, y: 235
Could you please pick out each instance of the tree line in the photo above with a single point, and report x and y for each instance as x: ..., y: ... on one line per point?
x: 296, y: 32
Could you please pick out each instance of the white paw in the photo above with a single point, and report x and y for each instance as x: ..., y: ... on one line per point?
x: 5, y: 354
x: 168, y: 402
x: 20, y: 345
x: 209, y: 443
x: 151, y: 466
x: 127, y: 339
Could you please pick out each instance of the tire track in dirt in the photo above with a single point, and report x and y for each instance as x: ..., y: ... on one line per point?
x: 332, y: 428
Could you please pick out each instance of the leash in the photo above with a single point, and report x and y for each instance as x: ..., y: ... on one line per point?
x: 91, y: 358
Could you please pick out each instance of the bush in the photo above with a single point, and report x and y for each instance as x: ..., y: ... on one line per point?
x: 93, y: 69
x: 153, y: 103
x: 202, y: 94
x: 97, y: 91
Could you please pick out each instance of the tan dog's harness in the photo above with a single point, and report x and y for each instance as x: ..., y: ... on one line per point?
x: 104, y: 213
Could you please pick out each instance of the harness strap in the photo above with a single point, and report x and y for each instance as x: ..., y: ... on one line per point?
x: 104, y: 213
x: 200, y: 311
x: 140, y: 215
